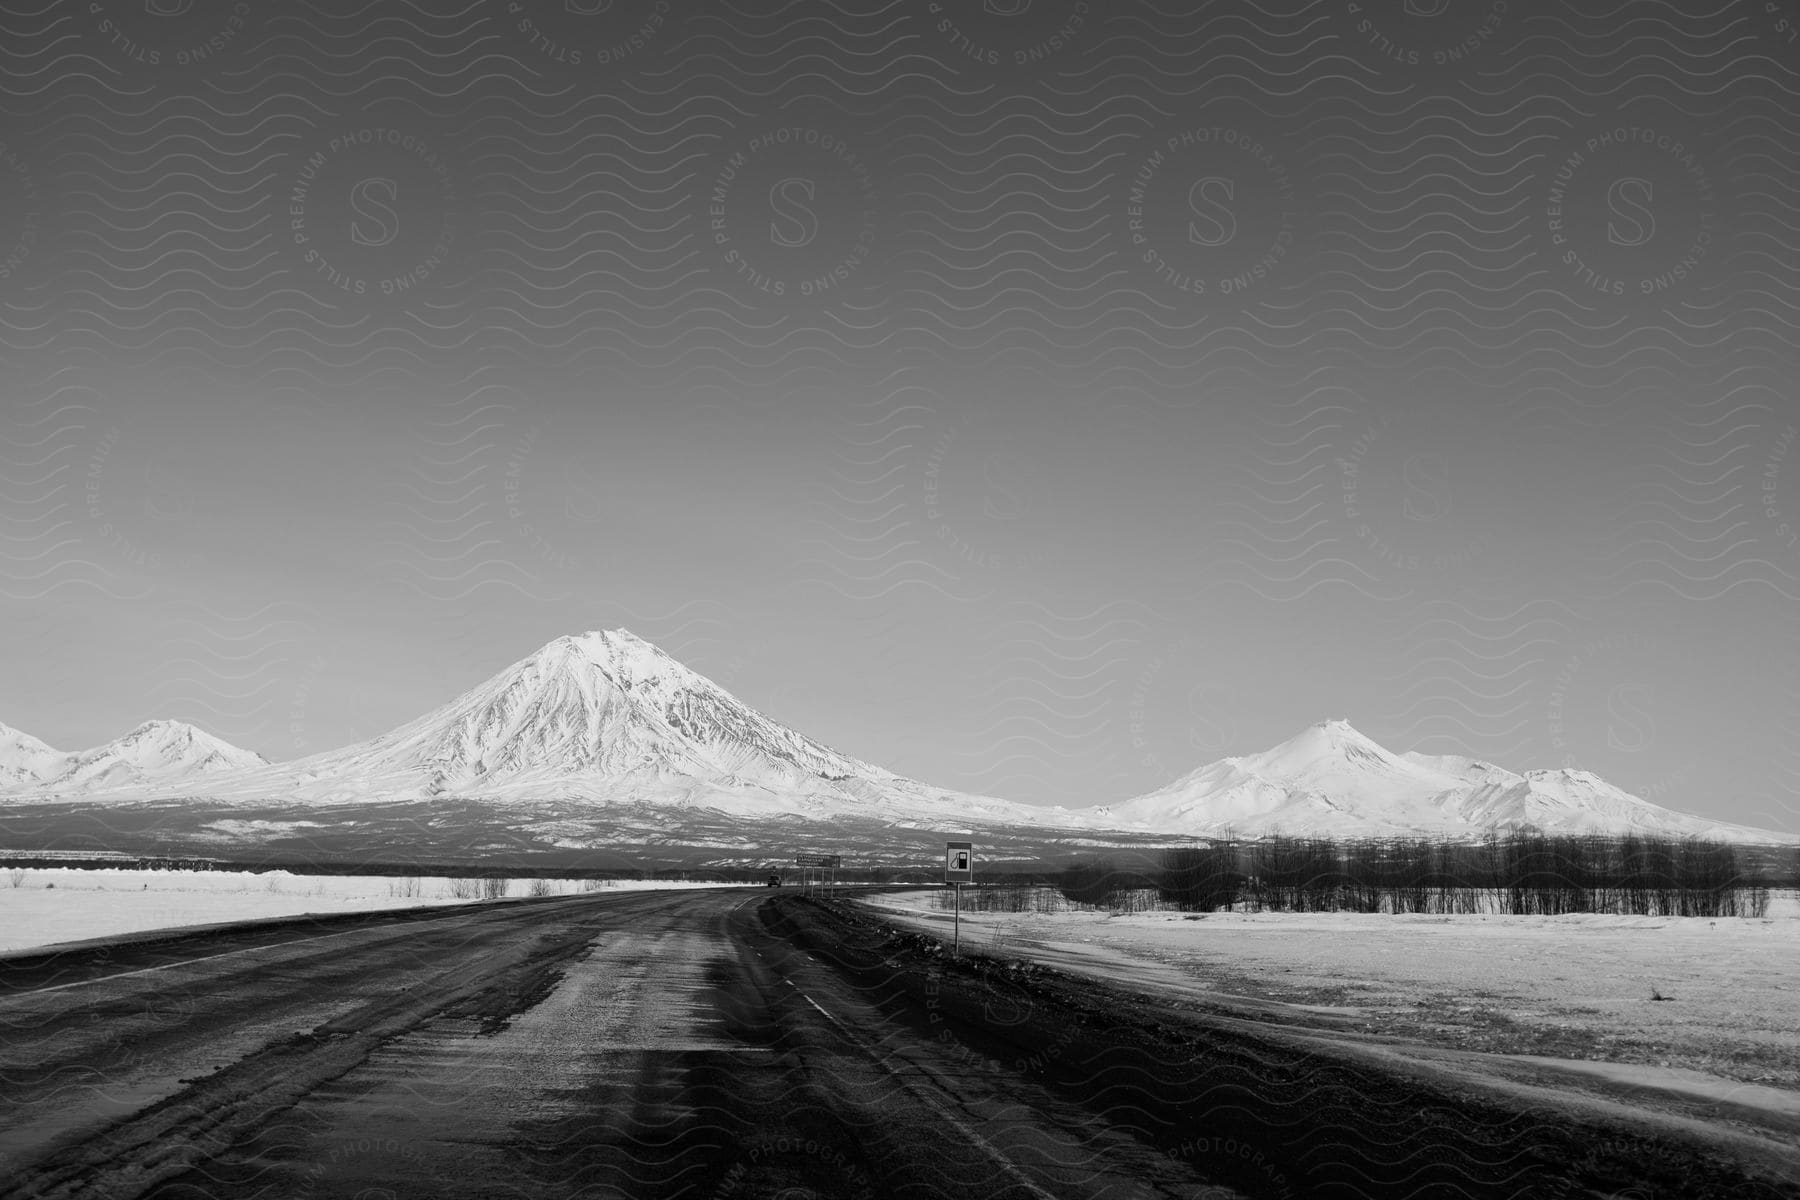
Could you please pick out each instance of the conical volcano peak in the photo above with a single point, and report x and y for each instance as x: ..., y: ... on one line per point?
x: 618, y: 662
x: 163, y: 731
x: 603, y: 642
x: 1331, y: 741
x: 599, y: 711
x: 611, y: 644
x: 610, y: 637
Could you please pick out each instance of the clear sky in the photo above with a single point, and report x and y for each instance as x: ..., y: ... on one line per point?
x: 1040, y: 399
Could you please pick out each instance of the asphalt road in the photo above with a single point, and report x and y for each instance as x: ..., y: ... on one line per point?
x: 641, y: 1045
x: 662, y: 1044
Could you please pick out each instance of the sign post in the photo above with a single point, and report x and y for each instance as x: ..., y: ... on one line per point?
x: 820, y: 863
x: 959, y: 868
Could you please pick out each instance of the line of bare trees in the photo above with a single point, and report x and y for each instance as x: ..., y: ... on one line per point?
x: 1518, y: 874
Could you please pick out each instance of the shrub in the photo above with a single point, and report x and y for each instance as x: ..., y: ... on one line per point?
x: 1293, y: 874
x: 1200, y: 878
x: 1092, y: 884
x: 1526, y: 873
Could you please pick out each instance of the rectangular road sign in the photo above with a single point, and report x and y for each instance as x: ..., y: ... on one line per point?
x: 959, y: 862
x: 819, y: 860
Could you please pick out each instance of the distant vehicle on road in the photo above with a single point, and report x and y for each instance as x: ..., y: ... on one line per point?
x: 774, y: 879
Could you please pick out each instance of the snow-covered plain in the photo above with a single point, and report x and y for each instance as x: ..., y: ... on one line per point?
x: 1579, y: 987
x: 46, y: 907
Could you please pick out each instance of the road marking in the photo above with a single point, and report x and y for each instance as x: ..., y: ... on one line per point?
x: 169, y: 966
x: 822, y: 1012
x: 992, y: 1151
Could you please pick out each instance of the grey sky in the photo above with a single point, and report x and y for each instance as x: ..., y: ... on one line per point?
x: 1040, y: 406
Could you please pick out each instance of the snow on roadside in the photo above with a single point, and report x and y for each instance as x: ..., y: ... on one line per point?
x: 45, y: 907
x: 1582, y: 986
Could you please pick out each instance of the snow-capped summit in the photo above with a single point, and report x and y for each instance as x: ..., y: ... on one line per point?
x: 155, y: 754
x: 1323, y: 755
x: 605, y: 721
x: 621, y: 653
x: 605, y: 717
x: 25, y: 761
x: 1320, y: 780
x: 1332, y: 780
x: 602, y: 704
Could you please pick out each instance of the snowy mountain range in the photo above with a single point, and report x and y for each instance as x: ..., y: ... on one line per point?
x: 603, y: 717
x: 1332, y: 780
x: 155, y: 755
x: 25, y: 761
x: 605, y: 720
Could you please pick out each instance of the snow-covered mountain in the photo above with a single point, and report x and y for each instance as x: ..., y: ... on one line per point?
x: 608, y: 725
x: 25, y: 761
x: 606, y: 717
x: 155, y: 755
x: 1332, y: 780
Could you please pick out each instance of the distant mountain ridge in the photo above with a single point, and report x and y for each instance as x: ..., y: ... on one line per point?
x: 605, y: 721
x: 602, y: 717
x: 25, y: 761
x: 1330, y: 779
x: 155, y: 754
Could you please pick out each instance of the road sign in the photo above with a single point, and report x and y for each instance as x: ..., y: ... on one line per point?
x: 959, y: 862
x: 819, y: 860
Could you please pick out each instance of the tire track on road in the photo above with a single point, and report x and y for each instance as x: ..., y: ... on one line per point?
x: 171, y: 1124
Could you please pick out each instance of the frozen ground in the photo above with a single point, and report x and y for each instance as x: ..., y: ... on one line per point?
x: 1568, y: 988
x: 46, y: 907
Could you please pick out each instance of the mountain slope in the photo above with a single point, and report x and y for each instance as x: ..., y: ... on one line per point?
x: 1571, y: 801
x: 607, y: 725
x: 605, y: 717
x: 1328, y: 778
x: 25, y: 761
x: 599, y: 706
x: 156, y: 754
x: 1332, y: 780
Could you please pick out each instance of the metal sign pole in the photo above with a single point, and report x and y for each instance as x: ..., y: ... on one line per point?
x: 959, y: 868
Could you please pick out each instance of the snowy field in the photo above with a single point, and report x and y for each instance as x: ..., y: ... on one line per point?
x: 1579, y: 987
x: 49, y: 906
